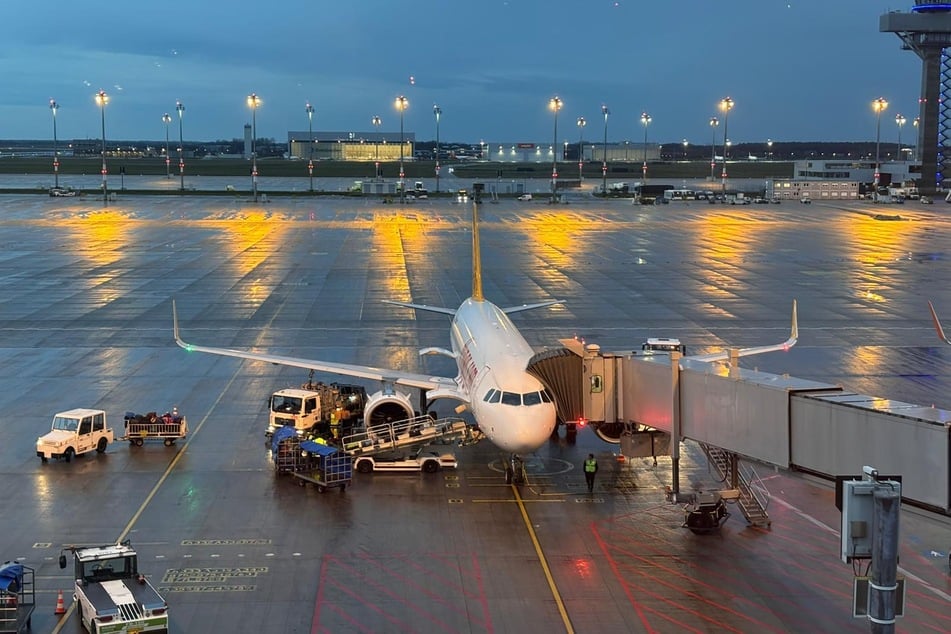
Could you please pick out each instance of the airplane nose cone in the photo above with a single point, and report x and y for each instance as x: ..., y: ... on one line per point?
x: 531, y: 428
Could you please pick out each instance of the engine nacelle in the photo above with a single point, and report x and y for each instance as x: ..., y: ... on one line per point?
x: 387, y: 406
x: 609, y: 432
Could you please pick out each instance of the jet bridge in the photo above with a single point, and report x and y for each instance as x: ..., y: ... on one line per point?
x: 650, y: 402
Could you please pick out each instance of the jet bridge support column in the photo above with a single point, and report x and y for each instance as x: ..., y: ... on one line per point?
x: 675, y: 425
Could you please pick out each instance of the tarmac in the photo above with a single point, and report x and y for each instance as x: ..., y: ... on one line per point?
x: 86, y: 322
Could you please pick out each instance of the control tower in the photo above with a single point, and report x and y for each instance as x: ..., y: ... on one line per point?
x: 926, y: 30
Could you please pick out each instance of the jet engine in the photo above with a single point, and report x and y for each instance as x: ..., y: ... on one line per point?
x: 609, y: 432
x: 387, y: 406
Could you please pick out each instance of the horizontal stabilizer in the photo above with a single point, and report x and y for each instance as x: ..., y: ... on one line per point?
x: 518, y: 309
x: 431, y: 309
x: 745, y: 352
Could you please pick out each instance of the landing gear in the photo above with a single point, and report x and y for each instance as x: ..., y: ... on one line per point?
x: 515, y: 470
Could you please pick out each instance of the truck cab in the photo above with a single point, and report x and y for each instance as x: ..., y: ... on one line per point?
x: 111, y: 594
x: 75, y: 432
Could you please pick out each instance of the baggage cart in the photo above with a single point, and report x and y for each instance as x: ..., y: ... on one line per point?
x: 325, y: 467
x: 17, y: 597
x: 168, y: 427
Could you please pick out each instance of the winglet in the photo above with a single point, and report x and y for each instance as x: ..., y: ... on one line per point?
x: 178, y: 339
x: 937, y: 324
x: 794, y: 332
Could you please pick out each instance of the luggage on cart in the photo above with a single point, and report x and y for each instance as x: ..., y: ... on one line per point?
x: 168, y: 427
x: 17, y: 597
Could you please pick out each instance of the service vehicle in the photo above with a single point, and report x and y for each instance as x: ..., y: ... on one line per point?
x: 17, y: 597
x: 75, y: 432
x: 525, y: 197
x: 421, y: 459
x: 112, y: 595
x: 63, y: 192
x: 168, y: 427
x: 316, y: 409
x: 664, y: 344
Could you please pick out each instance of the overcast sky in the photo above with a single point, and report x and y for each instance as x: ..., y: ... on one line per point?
x: 798, y: 71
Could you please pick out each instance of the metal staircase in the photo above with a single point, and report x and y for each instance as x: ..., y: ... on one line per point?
x: 421, y: 430
x: 751, y: 494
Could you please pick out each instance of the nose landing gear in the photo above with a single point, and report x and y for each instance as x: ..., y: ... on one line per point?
x: 515, y: 470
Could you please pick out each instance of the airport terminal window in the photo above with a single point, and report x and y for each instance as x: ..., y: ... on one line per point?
x: 532, y: 398
x: 511, y: 398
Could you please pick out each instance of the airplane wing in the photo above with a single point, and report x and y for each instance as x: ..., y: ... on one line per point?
x: 745, y: 352
x: 937, y: 325
x: 359, y: 371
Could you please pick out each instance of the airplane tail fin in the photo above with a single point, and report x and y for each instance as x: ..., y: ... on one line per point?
x: 476, y: 255
x: 937, y: 324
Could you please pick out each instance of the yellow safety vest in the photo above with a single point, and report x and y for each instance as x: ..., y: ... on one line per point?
x: 590, y: 466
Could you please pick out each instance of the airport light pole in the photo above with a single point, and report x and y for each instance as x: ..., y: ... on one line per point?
x: 769, y: 149
x: 309, y: 109
x: 646, y: 120
x: 915, y: 123
x: 554, y: 104
x: 180, y: 108
x: 167, y: 119
x: 376, y: 121
x: 685, y: 149
x: 581, y: 124
x: 437, y: 111
x: 101, y: 100
x: 401, y: 104
x: 604, y: 159
x: 714, y: 122
x: 254, y: 101
x: 53, y: 108
x: 878, y: 105
x: 899, y: 121
x: 726, y: 104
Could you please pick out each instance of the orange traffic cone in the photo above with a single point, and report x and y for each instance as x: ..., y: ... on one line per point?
x: 60, y: 606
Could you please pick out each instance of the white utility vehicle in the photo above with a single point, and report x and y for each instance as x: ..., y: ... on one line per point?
x: 111, y: 594
x: 420, y: 460
x: 75, y: 432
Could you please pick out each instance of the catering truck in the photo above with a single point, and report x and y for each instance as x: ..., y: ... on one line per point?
x: 316, y: 409
x: 112, y: 595
x: 75, y: 432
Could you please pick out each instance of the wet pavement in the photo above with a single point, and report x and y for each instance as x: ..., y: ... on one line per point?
x: 86, y: 321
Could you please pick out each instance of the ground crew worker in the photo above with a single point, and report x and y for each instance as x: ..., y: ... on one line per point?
x: 590, y: 468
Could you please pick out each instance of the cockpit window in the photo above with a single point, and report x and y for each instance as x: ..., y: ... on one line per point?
x: 546, y: 396
x: 493, y: 396
x: 511, y: 398
x: 489, y: 395
x: 532, y: 398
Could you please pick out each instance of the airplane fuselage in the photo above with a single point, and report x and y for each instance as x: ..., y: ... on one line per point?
x: 510, y: 405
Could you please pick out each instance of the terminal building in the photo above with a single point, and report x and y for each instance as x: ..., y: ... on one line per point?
x: 350, y: 146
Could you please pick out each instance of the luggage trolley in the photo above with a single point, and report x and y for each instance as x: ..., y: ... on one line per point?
x: 17, y: 597
x: 325, y: 466
x: 170, y: 426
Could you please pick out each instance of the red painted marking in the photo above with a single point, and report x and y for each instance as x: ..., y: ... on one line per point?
x: 637, y: 606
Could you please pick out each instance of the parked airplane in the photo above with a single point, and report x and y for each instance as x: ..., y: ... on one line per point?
x: 512, y: 408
